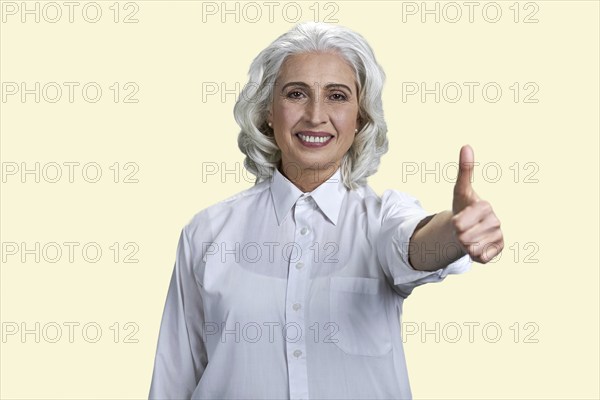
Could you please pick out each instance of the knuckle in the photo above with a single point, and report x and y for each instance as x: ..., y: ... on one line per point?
x: 501, y: 245
x: 458, y: 224
x: 497, y: 223
x: 486, y: 207
x: 493, y: 224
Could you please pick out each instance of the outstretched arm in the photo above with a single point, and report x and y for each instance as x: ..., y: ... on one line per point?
x: 470, y: 228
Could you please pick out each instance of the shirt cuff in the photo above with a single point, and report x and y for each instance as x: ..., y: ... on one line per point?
x: 406, y: 278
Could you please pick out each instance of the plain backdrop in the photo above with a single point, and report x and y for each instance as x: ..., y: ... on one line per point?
x: 148, y: 105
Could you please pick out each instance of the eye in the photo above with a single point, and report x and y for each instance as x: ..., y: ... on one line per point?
x: 338, y: 97
x: 295, y: 94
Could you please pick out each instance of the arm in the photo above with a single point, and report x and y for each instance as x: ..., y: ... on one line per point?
x: 470, y: 228
x: 180, y: 353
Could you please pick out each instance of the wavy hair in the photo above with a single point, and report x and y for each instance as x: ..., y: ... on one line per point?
x: 256, y: 139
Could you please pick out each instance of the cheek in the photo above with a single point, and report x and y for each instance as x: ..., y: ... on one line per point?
x: 346, y: 120
x: 287, y: 115
x: 284, y: 119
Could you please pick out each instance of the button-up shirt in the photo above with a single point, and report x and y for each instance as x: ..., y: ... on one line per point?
x: 280, y: 294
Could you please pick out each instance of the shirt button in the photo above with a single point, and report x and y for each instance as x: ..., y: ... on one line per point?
x: 297, y: 353
x: 296, y: 306
x: 304, y: 231
x: 299, y: 265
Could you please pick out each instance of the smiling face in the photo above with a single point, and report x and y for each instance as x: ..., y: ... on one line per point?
x: 314, y: 115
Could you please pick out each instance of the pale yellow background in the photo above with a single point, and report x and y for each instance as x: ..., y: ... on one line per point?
x: 171, y: 132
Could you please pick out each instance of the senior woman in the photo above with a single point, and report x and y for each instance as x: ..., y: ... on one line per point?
x: 294, y: 287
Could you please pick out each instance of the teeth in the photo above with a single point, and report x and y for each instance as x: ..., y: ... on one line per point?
x: 313, y: 139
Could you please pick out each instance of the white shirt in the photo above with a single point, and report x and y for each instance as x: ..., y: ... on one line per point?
x: 279, y: 294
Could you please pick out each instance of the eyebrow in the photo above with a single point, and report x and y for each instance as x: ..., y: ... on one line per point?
x: 327, y: 86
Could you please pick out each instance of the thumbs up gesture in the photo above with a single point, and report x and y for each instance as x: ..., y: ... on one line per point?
x: 476, y: 227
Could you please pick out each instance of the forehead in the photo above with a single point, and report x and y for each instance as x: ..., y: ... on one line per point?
x: 316, y: 67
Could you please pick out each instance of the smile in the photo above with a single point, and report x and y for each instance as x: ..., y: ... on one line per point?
x: 314, y: 140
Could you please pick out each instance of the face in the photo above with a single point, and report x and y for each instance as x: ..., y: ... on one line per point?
x: 314, y: 112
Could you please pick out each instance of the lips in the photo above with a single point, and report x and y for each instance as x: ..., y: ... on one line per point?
x: 313, y: 139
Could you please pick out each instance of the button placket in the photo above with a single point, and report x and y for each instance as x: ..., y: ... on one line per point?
x: 295, y: 332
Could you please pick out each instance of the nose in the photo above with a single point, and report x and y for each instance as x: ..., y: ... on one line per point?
x: 315, y: 112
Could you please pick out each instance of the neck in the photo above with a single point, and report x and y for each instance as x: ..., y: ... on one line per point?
x: 308, y: 179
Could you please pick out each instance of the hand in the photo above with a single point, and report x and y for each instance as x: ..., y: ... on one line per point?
x: 476, y: 227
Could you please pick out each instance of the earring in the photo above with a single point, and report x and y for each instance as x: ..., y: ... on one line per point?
x: 356, y: 131
x: 270, y: 125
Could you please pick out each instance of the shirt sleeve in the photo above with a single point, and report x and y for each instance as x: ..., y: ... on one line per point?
x: 181, y: 353
x: 401, y: 213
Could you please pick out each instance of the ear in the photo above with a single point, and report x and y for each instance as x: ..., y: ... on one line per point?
x: 359, y: 122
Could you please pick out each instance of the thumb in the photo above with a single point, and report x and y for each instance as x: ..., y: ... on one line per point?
x: 465, y: 171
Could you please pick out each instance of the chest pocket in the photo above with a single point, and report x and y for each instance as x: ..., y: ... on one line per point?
x: 357, y: 307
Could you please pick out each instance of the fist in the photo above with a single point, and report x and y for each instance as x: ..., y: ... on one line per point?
x: 476, y: 227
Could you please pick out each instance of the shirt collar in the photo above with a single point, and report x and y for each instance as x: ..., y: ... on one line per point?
x: 328, y: 196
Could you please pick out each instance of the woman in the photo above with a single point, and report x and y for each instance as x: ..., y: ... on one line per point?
x: 294, y: 288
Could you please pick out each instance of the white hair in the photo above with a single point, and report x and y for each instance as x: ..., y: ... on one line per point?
x: 256, y: 139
